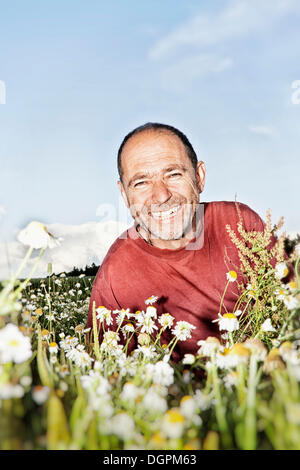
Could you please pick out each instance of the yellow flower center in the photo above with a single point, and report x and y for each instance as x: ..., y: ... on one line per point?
x: 229, y: 315
x: 273, y: 353
x: 293, y: 285
x: 158, y: 438
x: 286, y: 345
x: 185, y: 398
x: 239, y: 349
x: 232, y: 274
x: 173, y: 416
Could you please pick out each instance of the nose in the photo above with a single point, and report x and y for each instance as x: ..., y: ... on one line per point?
x: 160, y: 192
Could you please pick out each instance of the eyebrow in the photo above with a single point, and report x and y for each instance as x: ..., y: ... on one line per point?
x: 139, y: 176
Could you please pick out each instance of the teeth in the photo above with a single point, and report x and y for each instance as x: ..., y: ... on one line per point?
x: 165, y: 214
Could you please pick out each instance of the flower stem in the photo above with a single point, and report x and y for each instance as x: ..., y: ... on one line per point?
x: 220, y: 409
x: 95, y: 331
x: 250, y: 417
x: 223, y: 296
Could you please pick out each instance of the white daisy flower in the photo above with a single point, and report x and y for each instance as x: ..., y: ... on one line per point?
x: 208, y: 346
x: 231, y: 379
x: 173, y: 423
x: 94, y: 382
x: 166, y: 320
x: 53, y: 348
x: 81, y: 358
x: 128, y: 328
x: 154, y: 402
x: 267, y: 326
x: 292, y: 286
x: 228, y: 322
x: 40, y: 394
x: 122, y: 314
x: 291, y: 302
x: 9, y: 390
x: 161, y: 372
x: 289, y: 353
x: 231, y: 276
x: 14, y: 346
x: 26, y: 380
x: 182, y: 330
x: 130, y: 392
x: 189, y: 409
x: 151, y: 312
x: 147, y: 324
x: 257, y: 348
x: 281, y: 270
x: 36, y: 236
x: 122, y: 425
x: 281, y: 293
x: 147, y: 351
x: 250, y: 292
x: 203, y: 400
x: 110, y: 341
x: 188, y: 359
x: 68, y: 343
x: 104, y: 313
x: 151, y: 300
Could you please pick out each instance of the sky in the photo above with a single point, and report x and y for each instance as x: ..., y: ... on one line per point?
x: 76, y: 77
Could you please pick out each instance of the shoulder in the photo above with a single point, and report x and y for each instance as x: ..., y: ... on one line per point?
x: 231, y: 212
x: 117, y: 255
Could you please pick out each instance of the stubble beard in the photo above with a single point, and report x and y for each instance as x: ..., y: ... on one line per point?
x: 167, y: 229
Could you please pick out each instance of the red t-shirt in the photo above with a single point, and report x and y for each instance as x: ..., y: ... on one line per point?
x: 189, y: 284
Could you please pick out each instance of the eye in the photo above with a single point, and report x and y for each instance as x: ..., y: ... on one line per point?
x: 177, y: 173
x: 139, y: 184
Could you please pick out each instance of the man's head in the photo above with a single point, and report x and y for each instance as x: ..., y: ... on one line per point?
x: 160, y: 181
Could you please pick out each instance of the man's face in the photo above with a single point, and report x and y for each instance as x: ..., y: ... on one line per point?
x: 160, y: 186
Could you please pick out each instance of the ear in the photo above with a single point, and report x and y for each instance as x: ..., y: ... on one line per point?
x: 200, y: 173
x: 124, y: 195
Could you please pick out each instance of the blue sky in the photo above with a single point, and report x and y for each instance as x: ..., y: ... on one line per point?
x: 80, y: 75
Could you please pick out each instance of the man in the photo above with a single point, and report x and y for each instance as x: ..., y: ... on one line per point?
x: 177, y: 249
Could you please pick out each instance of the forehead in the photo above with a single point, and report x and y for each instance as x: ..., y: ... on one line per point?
x: 152, y: 150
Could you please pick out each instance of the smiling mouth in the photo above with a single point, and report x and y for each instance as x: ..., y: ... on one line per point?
x: 164, y: 215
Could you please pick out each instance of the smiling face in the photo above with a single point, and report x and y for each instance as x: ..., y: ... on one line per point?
x: 160, y: 187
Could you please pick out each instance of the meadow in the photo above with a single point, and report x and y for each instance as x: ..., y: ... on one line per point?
x: 239, y: 391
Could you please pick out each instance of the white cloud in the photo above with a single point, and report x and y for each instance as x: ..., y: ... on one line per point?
x: 237, y: 19
x: 292, y: 235
x: 82, y: 246
x: 267, y: 131
x: 2, y: 211
x: 178, y: 75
